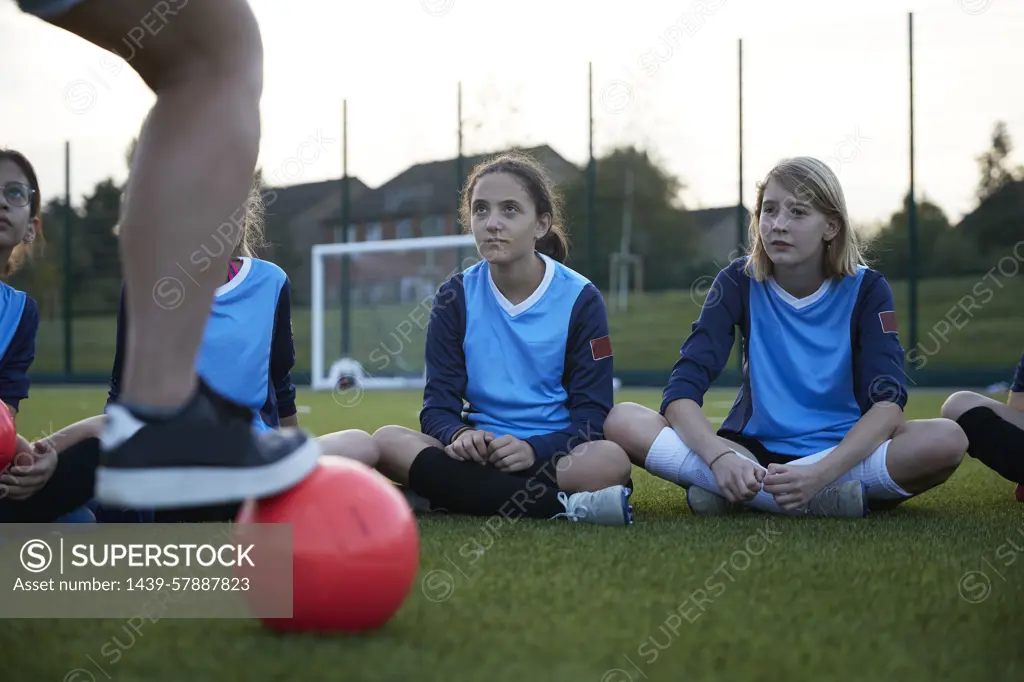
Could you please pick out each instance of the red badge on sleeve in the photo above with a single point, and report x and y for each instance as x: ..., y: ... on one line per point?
x: 601, y: 348
x: 889, y: 322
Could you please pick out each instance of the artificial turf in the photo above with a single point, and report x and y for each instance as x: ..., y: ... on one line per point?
x: 673, y: 597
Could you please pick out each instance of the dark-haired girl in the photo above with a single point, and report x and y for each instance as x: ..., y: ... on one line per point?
x: 519, y: 371
x: 35, y: 463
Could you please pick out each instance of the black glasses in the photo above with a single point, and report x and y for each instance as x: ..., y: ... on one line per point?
x: 17, y: 193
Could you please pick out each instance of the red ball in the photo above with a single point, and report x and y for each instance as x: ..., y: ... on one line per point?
x: 355, y: 547
x: 1020, y: 492
x: 8, y: 437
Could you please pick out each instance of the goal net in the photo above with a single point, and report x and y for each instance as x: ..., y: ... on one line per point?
x: 370, y: 307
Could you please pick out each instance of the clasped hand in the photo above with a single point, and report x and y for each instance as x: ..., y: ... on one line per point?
x: 32, y: 467
x: 794, y: 486
x: 507, y: 454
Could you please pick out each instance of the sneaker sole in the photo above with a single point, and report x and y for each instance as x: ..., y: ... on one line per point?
x: 182, y: 487
x: 627, y: 508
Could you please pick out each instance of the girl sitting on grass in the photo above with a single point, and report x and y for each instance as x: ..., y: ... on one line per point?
x: 995, y: 432
x: 34, y: 464
x: 524, y: 340
x: 818, y: 425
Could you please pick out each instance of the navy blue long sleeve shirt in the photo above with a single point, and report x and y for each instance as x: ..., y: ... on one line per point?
x: 20, y: 352
x: 812, y: 366
x: 540, y: 371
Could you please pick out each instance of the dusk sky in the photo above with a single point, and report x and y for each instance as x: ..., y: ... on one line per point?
x: 825, y: 78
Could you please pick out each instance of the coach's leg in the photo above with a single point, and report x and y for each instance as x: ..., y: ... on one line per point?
x: 351, y: 444
x: 192, y: 171
x: 191, y: 174
x: 995, y: 432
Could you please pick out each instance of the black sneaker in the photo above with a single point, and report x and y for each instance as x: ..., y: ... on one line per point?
x: 206, y: 454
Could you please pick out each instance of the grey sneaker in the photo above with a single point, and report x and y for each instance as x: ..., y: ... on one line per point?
x: 607, y: 507
x: 703, y: 502
x: 846, y: 500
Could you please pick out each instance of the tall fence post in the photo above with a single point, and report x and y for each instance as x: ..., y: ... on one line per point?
x: 911, y: 199
x: 69, y: 288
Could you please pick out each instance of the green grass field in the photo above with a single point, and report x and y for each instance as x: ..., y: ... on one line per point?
x: 883, y: 598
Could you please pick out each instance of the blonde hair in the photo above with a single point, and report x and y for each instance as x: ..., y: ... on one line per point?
x: 811, y: 180
x: 253, y: 236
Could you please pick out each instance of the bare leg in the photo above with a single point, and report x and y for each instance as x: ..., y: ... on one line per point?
x: 353, y: 444
x: 962, y: 401
x: 192, y: 170
x: 398, y: 448
x: 593, y: 466
x: 924, y: 453
x: 995, y: 433
x: 169, y: 445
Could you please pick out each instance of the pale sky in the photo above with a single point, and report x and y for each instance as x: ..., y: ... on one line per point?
x: 827, y: 78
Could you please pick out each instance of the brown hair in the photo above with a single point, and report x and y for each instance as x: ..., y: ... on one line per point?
x: 534, y: 179
x: 24, y: 251
x: 814, y: 182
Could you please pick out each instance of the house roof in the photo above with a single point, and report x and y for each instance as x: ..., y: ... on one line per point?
x: 286, y: 202
x: 706, y: 219
x: 432, y: 188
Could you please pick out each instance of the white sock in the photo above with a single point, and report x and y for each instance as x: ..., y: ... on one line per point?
x: 671, y: 459
x: 874, y: 474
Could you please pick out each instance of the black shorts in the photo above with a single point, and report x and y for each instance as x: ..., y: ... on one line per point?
x: 764, y: 455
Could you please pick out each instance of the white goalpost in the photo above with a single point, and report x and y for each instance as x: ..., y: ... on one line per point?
x: 390, y: 276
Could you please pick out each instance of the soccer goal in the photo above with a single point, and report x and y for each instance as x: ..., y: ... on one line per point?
x: 370, y: 307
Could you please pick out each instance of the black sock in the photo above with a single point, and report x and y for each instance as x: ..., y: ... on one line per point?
x: 468, y: 488
x: 994, y: 442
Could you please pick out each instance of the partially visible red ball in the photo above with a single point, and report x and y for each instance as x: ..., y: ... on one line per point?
x: 355, y: 547
x: 8, y: 437
x: 1020, y: 492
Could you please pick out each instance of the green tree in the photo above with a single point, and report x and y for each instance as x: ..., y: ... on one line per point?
x: 993, y: 164
x: 95, y: 249
x: 890, y: 249
x: 662, y: 229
